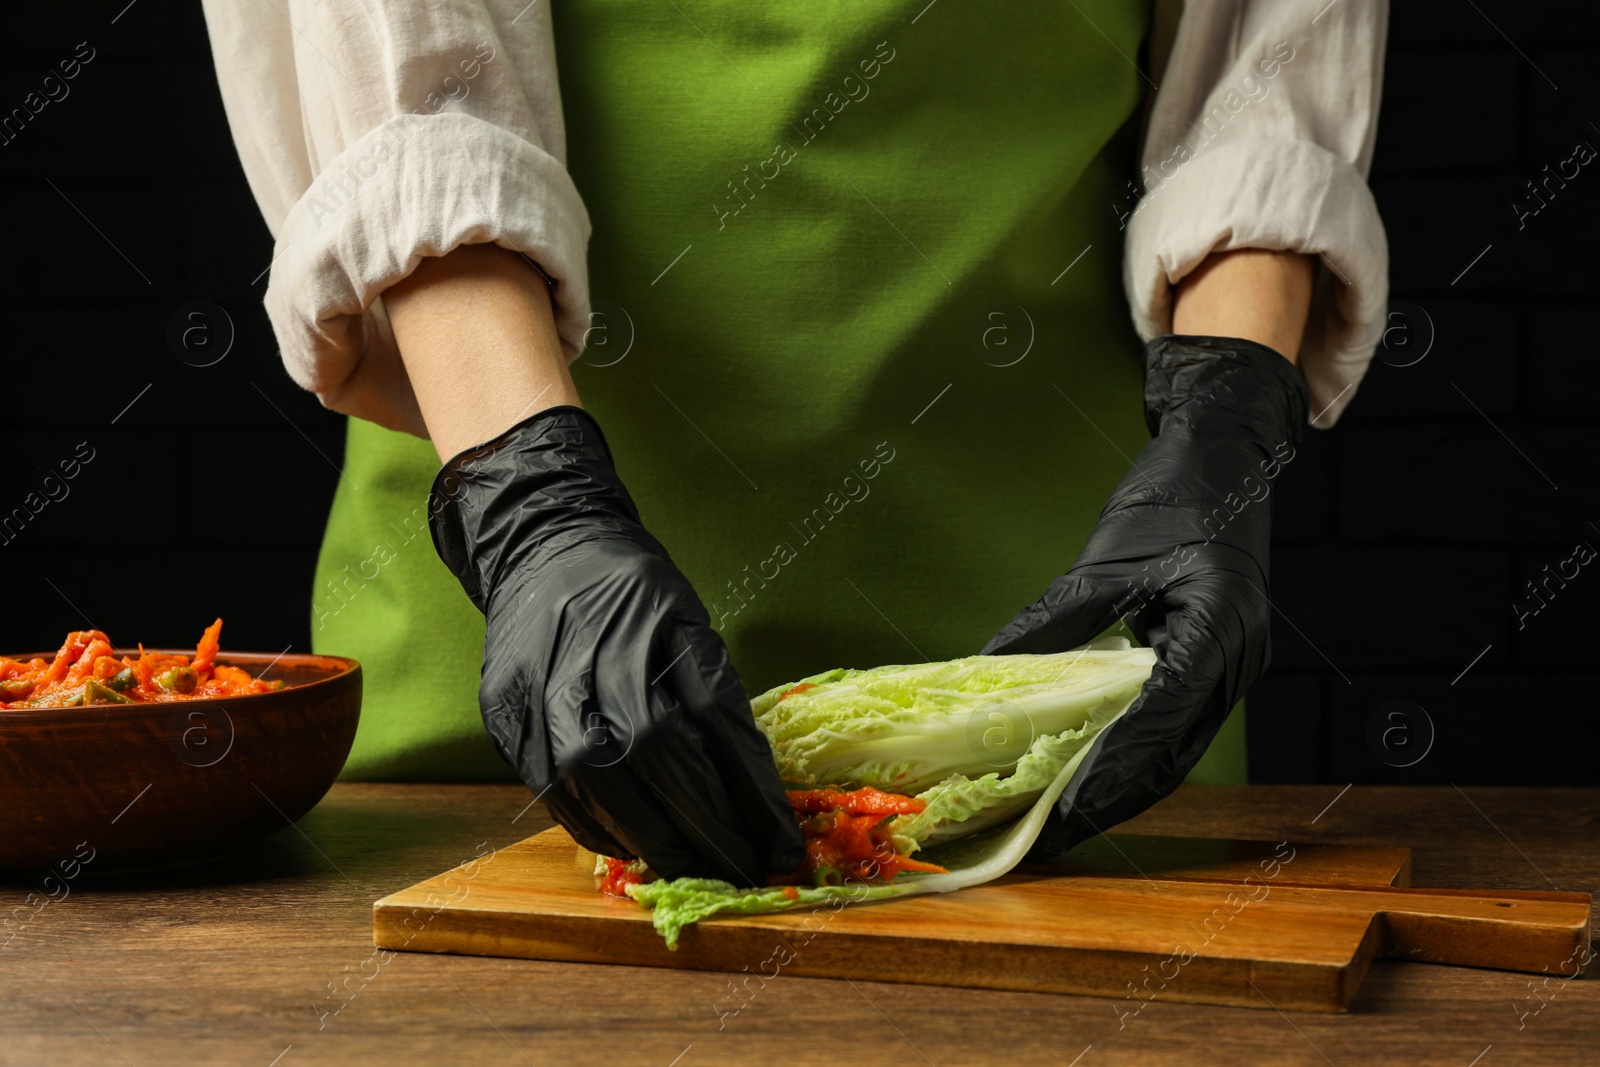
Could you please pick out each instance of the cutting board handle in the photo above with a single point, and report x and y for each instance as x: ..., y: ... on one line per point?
x: 1513, y: 931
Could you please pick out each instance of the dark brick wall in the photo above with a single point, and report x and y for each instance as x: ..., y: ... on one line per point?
x: 1402, y: 536
x: 1406, y: 533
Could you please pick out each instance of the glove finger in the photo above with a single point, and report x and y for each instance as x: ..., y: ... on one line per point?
x: 1145, y: 754
x: 622, y: 737
x: 1230, y: 597
x: 677, y: 766
x: 512, y: 699
x: 1075, y: 609
x: 577, y: 730
x: 751, y: 778
x: 519, y: 732
x: 634, y: 814
x: 709, y: 687
x: 643, y: 770
x: 591, y: 737
x: 566, y: 809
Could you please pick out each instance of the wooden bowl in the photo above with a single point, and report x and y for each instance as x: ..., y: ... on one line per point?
x: 136, y: 784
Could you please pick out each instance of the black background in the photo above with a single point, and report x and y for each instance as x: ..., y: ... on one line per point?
x: 1403, y: 535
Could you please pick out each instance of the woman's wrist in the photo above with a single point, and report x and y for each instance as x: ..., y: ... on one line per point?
x: 476, y: 331
x: 1252, y: 293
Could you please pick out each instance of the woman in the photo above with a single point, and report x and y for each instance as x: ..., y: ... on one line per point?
x: 858, y: 350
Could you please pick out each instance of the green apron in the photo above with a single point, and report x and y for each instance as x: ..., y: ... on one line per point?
x: 859, y: 345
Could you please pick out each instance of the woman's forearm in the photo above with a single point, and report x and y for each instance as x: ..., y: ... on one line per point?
x: 1251, y: 293
x: 477, y: 334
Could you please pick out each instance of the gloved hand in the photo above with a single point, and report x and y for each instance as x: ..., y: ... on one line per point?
x: 1179, y: 553
x: 603, y: 681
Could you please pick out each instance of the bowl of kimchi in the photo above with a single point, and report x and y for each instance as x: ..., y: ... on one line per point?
x: 163, y: 756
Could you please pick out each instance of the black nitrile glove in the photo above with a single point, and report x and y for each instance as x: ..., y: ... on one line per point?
x: 1179, y: 553
x: 603, y: 681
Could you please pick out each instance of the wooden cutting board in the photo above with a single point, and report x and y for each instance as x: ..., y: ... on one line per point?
x: 1250, y: 923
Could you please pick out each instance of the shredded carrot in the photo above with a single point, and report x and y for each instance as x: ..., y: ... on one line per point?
x: 906, y: 863
x: 69, y: 652
x: 83, y: 667
x: 229, y: 675
x: 142, y: 668
x: 206, y: 651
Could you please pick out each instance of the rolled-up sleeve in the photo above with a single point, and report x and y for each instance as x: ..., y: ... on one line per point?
x: 376, y: 134
x: 1261, y: 136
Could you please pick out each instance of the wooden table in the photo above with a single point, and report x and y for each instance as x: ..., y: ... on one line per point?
x: 236, y: 962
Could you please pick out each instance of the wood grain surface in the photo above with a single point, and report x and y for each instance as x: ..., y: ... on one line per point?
x: 1254, y: 924
x: 237, y: 962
